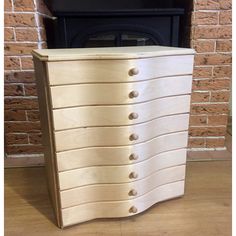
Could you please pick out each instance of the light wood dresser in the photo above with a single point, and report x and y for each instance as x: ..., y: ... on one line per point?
x: 115, y: 128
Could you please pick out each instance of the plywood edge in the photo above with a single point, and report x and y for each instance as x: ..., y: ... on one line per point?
x: 48, y: 140
x: 109, y: 53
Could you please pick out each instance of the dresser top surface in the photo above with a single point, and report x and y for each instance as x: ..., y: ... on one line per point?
x: 109, y: 53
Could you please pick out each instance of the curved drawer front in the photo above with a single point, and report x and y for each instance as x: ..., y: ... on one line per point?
x: 120, y: 174
x: 118, y: 136
x: 89, y: 211
x: 118, y: 192
x: 119, y: 93
x: 97, y: 71
x: 119, y: 115
x: 98, y: 156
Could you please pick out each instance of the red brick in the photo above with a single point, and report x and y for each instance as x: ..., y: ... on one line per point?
x: 204, y: 45
x: 207, y: 131
x: 21, y: 103
x: 196, y: 142
x: 202, y: 72
x: 19, y: 48
x: 19, y: 20
x: 225, y: 4
x: 19, y: 77
x: 42, y: 8
x: 42, y: 34
x: 220, y: 96
x: 205, y: 18
x: 30, y: 90
x: 211, y: 84
x: 16, y: 138
x: 9, y: 34
x: 218, y: 120
x: 27, y: 63
x: 200, y: 96
x: 33, y: 115
x: 223, y: 45
x: 24, y: 5
x: 225, y: 17
x: 11, y: 63
x: 212, y: 32
x: 215, y: 142
x: 14, y: 115
x: 207, y: 5
x: 13, y: 90
x: 27, y: 34
x: 198, y: 120
x: 197, y: 109
x: 213, y: 59
x: 7, y: 5
x: 24, y: 149
x: 35, y: 138
x: 22, y: 127
x: 222, y: 71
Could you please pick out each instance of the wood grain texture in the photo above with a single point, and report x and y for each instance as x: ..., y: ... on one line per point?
x: 102, y: 156
x: 112, y: 209
x: 116, y: 192
x: 119, y: 93
x: 120, y: 174
x: 98, y: 71
x: 68, y: 54
x: 119, y: 115
x: 119, y: 136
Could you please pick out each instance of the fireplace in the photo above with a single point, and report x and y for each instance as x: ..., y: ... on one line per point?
x: 105, y: 23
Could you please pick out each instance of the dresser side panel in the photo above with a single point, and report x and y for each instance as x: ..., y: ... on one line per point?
x: 48, y: 142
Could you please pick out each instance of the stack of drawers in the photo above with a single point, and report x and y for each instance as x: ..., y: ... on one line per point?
x: 115, y: 127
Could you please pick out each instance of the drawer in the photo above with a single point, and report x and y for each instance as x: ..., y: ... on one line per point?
x: 120, y: 174
x: 97, y: 71
x: 111, y: 209
x: 119, y: 115
x: 117, y: 192
x: 119, y: 93
x: 121, y: 155
x: 119, y: 136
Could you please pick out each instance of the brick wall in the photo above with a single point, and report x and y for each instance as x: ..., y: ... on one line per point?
x: 210, y: 36
x: 23, y: 32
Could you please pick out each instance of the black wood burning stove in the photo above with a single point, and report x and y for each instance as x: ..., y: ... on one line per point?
x: 103, y: 23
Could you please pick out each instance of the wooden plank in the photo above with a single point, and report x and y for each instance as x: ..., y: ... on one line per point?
x: 111, y: 209
x: 119, y: 93
x: 98, y: 71
x: 119, y: 192
x: 119, y: 115
x: 102, y: 156
x: 120, y: 174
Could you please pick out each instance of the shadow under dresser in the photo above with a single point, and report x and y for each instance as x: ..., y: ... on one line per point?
x: 115, y: 128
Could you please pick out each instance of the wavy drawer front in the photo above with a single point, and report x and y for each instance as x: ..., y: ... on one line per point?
x: 111, y: 209
x: 120, y: 155
x: 118, y: 136
x: 119, y: 93
x: 119, y: 115
x: 120, y: 174
x: 119, y: 192
x: 97, y: 71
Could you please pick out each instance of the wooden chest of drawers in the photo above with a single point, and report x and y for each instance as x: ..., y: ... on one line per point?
x: 115, y: 128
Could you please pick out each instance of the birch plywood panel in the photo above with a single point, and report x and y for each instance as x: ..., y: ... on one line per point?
x: 118, y: 136
x: 119, y: 174
x: 119, y: 115
x: 98, y: 71
x: 113, y: 209
x: 119, y: 93
x: 121, y: 155
x: 116, y: 192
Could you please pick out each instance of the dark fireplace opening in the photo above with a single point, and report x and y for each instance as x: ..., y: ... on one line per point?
x: 103, y: 23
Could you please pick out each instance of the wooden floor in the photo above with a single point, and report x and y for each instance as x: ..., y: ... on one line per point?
x: 204, y: 210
